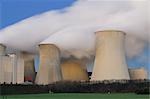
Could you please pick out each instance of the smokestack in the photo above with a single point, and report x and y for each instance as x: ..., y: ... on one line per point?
x: 2, y: 49
x: 29, y: 69
x: 138, y: 74
x: 49, y: 69
x: 110, y: 62
x: 74, y: 70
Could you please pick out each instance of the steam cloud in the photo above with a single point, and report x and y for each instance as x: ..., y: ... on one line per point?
x: 72, y: 28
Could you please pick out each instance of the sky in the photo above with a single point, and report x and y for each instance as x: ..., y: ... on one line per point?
x: 13, y: 11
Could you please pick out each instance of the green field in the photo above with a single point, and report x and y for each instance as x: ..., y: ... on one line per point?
x: 77, y: 96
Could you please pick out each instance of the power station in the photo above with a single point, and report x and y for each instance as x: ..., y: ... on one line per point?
x: 109, y: 63
x: 11, y: 67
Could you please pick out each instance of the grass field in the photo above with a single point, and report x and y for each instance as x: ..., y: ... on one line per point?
x: 77, y: 96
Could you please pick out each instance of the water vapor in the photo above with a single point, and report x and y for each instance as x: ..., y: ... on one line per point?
x: 72, y: 28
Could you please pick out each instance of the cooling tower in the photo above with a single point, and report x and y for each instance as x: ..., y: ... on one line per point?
x: 2, y: 49
x: 110, y: 62
x: 49, y: 68
x: 29, y: 69
x: 138, y: 74
x: 74, y: 70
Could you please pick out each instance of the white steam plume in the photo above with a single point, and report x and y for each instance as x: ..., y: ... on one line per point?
x: 72, y: 28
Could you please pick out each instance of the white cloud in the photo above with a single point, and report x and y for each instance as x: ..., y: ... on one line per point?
x: 73, y: 30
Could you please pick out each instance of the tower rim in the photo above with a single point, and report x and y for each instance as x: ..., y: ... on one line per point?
x: 2, y: 45
x: 100, y: 31
x: 51, y: 45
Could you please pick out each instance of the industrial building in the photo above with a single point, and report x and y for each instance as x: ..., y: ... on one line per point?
x: 18, y: 70
x: 109, y: 63
x: 6, y: 69
x: 11, y: 67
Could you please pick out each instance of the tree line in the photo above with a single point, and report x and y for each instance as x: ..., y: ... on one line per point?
x: 107, y: 86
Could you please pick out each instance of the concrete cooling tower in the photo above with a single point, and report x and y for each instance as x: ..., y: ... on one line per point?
x: 49, y: 68
x: 29, y: 69
x: 74, y: 70
x: 138, y: 74
x: 2, y: 49
x: 110, y: 62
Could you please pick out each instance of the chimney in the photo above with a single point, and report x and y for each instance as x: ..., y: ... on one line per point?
x: 49, y: 68
x: 110, y: 62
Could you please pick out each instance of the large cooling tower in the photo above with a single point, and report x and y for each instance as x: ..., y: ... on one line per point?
x: 74, y: 70
x: 49, y: 68
x: 29, y: 69
x: 2, y: 49
x: 137, y: 74
x: 110, y: 62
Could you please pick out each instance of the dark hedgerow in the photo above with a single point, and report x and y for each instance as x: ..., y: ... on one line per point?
x: 111, y: 86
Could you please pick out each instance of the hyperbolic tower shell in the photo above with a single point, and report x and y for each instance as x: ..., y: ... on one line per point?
x: 2, y: 49
x: 29, y: 69
x: 138, y: 74
x: 74, y: 70
x: 49, y: 68
x: 110, y: 62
